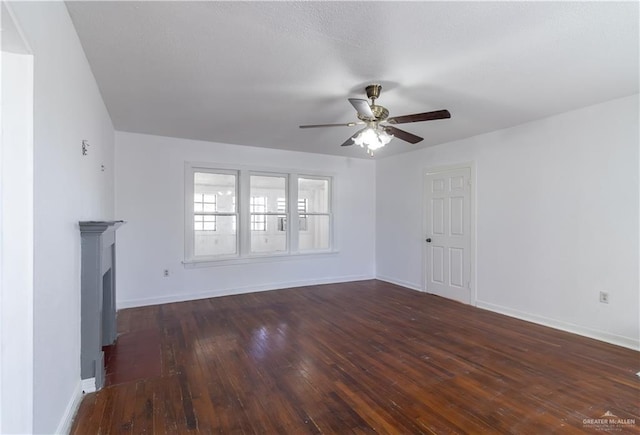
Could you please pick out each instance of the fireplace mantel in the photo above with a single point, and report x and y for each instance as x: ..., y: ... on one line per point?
x: 98, y: 226
x: 98, y: 298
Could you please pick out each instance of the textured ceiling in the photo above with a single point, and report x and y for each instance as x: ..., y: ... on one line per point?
x: 249, y: 73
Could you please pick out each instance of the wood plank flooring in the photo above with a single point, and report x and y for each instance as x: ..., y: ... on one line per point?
x: 357, y: 357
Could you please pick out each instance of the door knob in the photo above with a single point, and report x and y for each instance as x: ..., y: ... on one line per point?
x: 428, y: 240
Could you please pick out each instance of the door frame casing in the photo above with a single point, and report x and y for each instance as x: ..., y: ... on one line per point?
x: 473, y: 294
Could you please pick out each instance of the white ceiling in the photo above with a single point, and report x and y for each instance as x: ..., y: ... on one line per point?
x: 249, y: 73
x: 11, y: 40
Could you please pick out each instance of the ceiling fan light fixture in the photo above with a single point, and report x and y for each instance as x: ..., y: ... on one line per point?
x: 372, y: 138
x: 380, y: 129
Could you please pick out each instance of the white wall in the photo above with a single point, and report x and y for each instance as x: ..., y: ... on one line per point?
x: 557, y: 219
x: 150, y: 197
x: 16, y: 243
x: 557, y: 214
x: 68, y: 187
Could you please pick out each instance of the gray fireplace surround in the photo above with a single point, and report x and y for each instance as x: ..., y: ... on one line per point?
x: 98, y: 297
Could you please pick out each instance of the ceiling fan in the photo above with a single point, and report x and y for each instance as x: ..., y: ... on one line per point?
x: 379, y: 129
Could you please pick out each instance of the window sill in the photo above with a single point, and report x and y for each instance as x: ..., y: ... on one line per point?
x: 194, y: 264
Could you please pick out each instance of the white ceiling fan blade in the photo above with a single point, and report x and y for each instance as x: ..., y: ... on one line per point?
x: 362, y: 107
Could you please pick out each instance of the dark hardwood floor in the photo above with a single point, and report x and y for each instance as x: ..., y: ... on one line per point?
x: 357, y: 357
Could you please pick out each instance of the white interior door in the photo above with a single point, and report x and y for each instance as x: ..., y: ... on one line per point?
x: 448, y: 234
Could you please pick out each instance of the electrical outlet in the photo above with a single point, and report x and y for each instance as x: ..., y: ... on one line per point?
x: 604, y: 297
x: 165, y: 273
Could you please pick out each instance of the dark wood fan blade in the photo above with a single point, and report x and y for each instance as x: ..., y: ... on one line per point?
x: 362, y: 107
x: 348, y: 124
x: 349, y: 141
x: 401, y: 134
x: 417, y: 117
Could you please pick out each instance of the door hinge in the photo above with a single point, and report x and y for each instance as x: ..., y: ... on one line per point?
x: 469, y: 285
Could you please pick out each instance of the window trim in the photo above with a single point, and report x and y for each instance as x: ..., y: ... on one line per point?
x: 243, y: 253
x: 328, y: 213
x: 287, y: 183
x: 189, y: 224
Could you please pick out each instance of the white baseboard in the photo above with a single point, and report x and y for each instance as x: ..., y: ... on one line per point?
x: 131, y: 303
x: 607, y: 337
x: 406, y: 284
x: 88, y: 385
x: 64, y: 427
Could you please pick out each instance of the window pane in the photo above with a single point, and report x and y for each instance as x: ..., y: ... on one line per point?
x: 220, y: 240
x: 271, y: 188
x: 258, y: 222
x: 303, y: 205
x: 216, y: 190
x: 316, y: 234
x: 282, y: 223
x: 270, y: 241
x: 315, y: 195
x: 197, y: 223
x: 258, y: 204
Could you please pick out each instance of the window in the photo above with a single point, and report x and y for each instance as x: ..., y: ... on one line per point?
x: 282, y: 219
x: 302, y: 210
x: 214, y: 214
x: 242, y: 213
x: 258, y: 206
x: 314, y: 230
x: 203, y: 202
x: 302, y: 213
x: 265, y: 189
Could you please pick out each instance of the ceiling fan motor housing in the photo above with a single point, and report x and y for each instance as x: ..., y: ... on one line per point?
x: 380, y: 113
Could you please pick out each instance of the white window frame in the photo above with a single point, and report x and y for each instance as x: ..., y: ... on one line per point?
x: 329, y: 212
x: 279, y: 174
x: 243, y: 214
x: 190, y: 232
